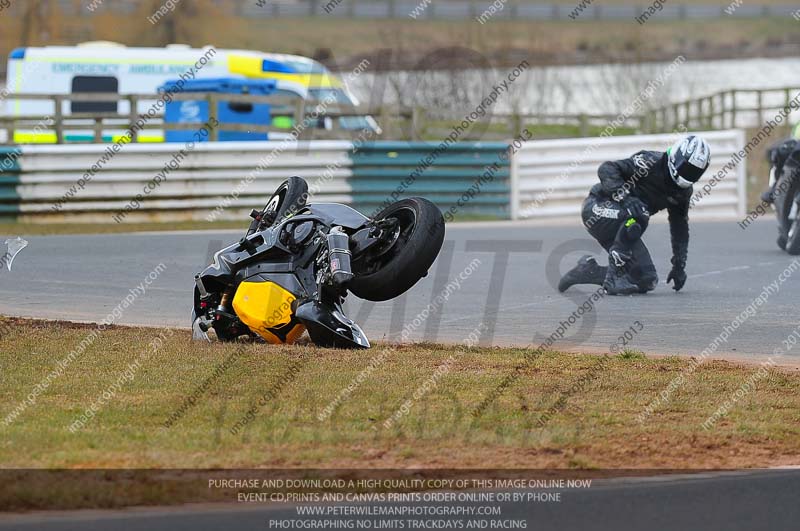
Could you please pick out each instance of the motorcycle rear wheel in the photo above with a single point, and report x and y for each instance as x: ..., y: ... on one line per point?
x: 421, y: 234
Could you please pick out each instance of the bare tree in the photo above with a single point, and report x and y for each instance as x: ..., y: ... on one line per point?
x: 190, y: 21
x: 36, y: 20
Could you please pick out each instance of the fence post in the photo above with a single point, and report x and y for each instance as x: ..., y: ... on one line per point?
x: 687, y: 113
x: 59, y: 116
x: 676, y: 116
x: 213, y: 116
x: 98, y: 131
x: 514, y: 184
x: 733, y: 108
x: 711, y: 112
x: 787, y: 98
x: 299, y: 116
x: 516, y: 124
x: 414, y: 123
x: 133, y: 115
x: 583, y: 125
x: 760, y: 105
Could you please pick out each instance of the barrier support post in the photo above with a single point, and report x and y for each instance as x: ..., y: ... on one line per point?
x: 514, y: 185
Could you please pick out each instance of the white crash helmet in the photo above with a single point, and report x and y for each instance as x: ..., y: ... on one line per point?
x: 688, y: 160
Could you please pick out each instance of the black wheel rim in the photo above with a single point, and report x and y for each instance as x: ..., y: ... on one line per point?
x: 275, y: 202
x: 406, y: 218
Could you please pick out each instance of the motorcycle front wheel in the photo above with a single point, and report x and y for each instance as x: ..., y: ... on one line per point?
x: 287, y: 200
x: 789, y: 239
x: 418, y: 238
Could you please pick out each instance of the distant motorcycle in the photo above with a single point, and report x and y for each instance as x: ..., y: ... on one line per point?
x: 786, y: 200
x: 296, y: 264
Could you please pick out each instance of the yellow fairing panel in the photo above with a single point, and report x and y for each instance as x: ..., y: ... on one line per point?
x: 266, y: 308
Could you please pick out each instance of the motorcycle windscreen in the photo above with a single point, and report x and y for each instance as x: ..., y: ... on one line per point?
x: 266, y: 309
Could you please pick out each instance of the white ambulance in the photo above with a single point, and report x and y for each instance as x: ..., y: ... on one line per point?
x: 107, y: 67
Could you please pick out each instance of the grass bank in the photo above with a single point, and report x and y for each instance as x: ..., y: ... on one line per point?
x: 186, y: 405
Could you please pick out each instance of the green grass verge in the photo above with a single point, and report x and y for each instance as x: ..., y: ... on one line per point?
x: 595, y: 427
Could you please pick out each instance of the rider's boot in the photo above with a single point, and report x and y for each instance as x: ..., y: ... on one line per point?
x: 588, y: 271
x: 617, y: 280
x: 767, y: 197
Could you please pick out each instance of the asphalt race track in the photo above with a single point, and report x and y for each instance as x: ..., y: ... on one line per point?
x: 738, y: 501
x: 85, y: 277
x: 507, y: 296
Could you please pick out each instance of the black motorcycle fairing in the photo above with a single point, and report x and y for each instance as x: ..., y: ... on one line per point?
x: 329, y: 327
x: 336, y: 214
x: 236, y: 257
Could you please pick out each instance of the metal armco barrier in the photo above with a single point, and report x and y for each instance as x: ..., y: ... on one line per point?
x: 9, y: 181
x: 466, y: 177
x: 209, y: 176
x: 224, y: 180
x: 551, y: 178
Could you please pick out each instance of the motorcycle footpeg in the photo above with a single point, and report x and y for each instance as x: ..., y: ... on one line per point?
x: 200, y: 329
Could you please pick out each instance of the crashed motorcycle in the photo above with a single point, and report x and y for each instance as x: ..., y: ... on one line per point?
x: 296, y: 264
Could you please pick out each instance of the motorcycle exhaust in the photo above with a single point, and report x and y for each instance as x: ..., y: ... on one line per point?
x: 339, y: 256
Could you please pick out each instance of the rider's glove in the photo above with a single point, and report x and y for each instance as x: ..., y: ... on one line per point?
x: 678, y: 275
x: 636, y: 208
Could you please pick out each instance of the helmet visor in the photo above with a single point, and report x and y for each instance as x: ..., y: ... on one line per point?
x: 689, y: 172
